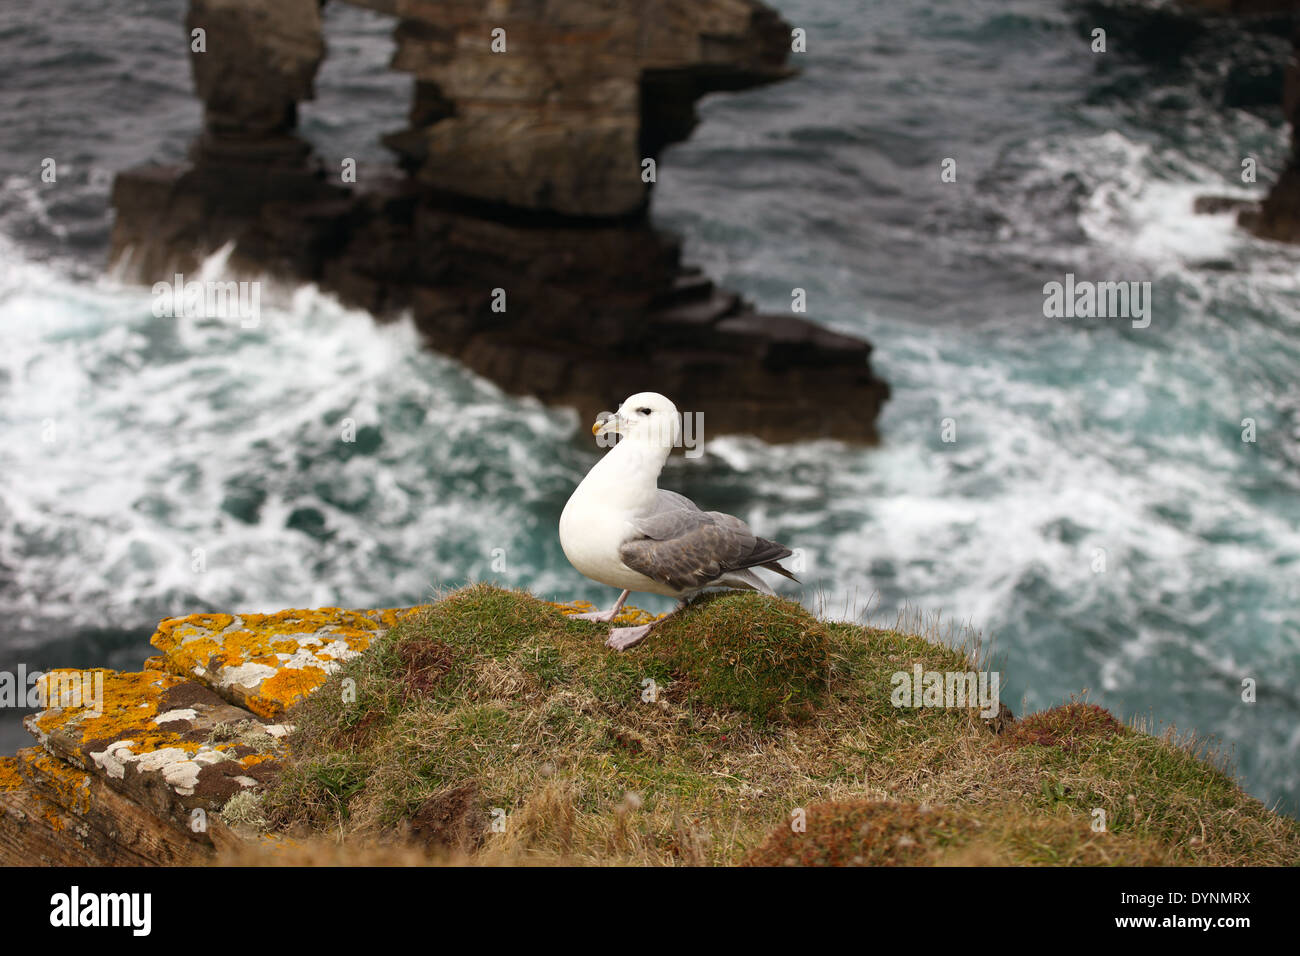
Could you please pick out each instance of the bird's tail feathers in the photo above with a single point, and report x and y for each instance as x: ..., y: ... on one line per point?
x: 773, y: 566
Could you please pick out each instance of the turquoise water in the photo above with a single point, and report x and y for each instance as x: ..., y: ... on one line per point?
x: 1074, y: 438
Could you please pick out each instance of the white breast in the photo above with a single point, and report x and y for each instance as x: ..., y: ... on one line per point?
x: 597, y: 520
x: 590, y: 535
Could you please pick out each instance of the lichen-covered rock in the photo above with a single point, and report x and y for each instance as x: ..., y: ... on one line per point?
x: 170, y: 744
x: 53, y: 814
x: 268, y: 662
x: 134, y: 768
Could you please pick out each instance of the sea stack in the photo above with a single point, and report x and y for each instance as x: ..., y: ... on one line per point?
x: 513, y: 223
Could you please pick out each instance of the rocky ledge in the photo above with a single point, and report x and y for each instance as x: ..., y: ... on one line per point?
x: 490, y: 727
x: 514, y: 222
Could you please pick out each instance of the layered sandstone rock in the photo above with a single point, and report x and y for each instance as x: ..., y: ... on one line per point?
x: 139, y: 767
x: 516, y: 231
x: 553, y: 107
x: 255, y: 94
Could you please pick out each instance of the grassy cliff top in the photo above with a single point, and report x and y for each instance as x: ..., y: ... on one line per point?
x: 491, y: 728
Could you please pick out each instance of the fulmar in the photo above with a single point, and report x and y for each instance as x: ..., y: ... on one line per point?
x: 620, y: 528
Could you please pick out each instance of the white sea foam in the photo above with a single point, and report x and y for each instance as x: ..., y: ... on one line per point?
x: 156, y: 421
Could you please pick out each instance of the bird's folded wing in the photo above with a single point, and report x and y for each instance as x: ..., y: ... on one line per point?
x: 687, y: 548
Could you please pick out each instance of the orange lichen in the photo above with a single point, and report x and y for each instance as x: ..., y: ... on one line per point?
x: 202, y: 648
x: 69, y: 786
x: 628, y: 617
x: 173, y: 630
x: 10, y: 779
x: 297, y: 649
x: 141, y: 715
x: 52, y: 813
x: 285, y: 687
x: 130, y: 702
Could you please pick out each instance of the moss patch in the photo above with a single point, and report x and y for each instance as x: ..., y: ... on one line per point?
x: 762, y: 656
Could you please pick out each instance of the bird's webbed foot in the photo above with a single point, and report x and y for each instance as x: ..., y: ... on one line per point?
x: 621, y: 638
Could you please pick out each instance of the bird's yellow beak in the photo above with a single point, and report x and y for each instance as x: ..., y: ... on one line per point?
x: 606, y: 422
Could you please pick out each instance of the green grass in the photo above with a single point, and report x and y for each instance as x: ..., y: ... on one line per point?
x: 701, y: 744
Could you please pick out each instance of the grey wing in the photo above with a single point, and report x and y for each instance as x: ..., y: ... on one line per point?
x: 687, y: 548
x: 673, y: 515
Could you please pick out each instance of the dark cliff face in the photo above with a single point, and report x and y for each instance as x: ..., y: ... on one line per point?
x: 514, y: 223
x: 1243, y: 54
x: 1279, y: 215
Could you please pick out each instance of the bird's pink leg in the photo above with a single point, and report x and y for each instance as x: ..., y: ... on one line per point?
x: 603, y: 617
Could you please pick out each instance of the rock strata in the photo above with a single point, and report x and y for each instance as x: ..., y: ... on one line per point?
x: 139, y: 770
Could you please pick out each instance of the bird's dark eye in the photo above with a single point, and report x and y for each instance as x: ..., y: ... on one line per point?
x: 643, y: 411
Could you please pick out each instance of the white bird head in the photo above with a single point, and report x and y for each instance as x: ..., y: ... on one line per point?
x: 646, y: 417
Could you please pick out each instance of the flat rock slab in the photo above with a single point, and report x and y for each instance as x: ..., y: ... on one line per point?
x: 269, y: 662
x: 170, y: 744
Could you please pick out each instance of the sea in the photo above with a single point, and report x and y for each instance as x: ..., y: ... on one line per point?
x: 1111, y: 510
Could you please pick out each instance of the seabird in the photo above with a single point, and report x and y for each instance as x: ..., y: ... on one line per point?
x: 621, y: 529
